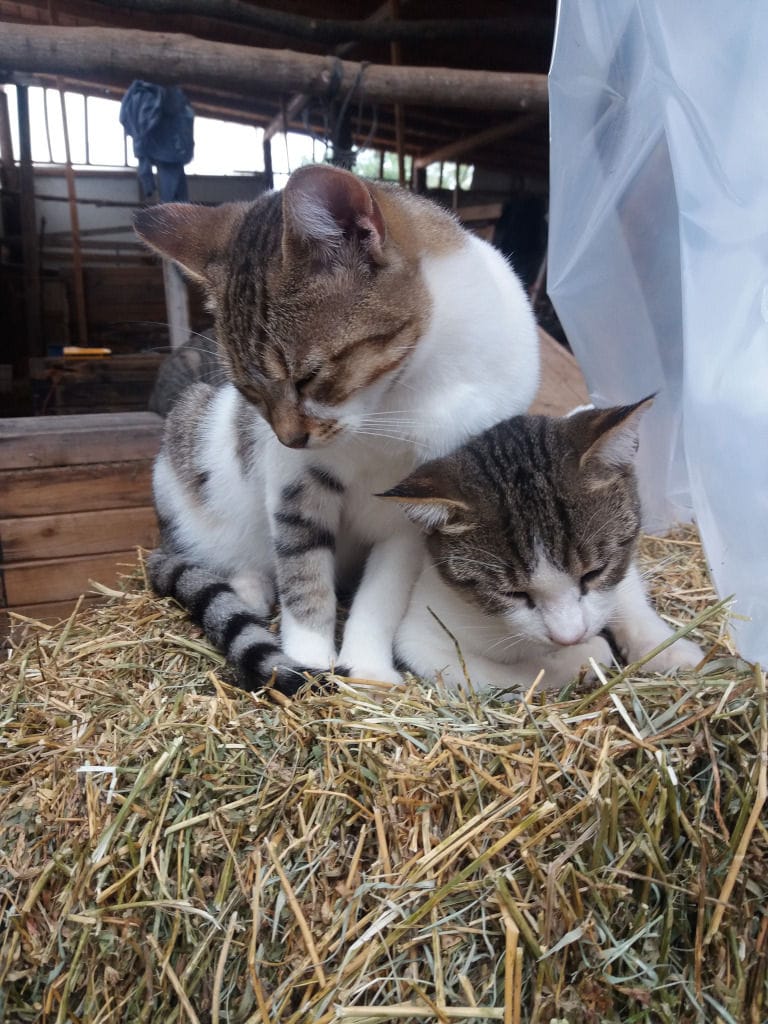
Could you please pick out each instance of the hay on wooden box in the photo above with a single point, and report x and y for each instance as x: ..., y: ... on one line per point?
x: 172, y: 849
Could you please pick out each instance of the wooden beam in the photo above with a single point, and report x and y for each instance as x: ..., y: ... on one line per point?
x: 58, y: 579
x: 31, y: 538
x: 280, y: 122
x: 171, y: 59
x: 9, y: 175
x: 470, y: 142
x: 71, y: 488
x: 39, y: 442
x: 427, y: 128
x: 326, y: 30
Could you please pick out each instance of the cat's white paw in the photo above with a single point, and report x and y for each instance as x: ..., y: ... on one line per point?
x: 682, y: 654
x: 305, y: 646
x: 375, y: 673
x: 566, y: 663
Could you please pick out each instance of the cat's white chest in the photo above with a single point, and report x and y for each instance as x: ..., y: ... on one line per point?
x: 367, y: 472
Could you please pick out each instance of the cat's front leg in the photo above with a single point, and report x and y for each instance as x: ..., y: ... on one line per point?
x: 304, y: 520
x: 637, y: 629
x: 379, y: 605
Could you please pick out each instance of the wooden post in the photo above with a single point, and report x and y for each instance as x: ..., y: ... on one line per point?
x: 31, y: 255
x: 268, y: 162
x: 10, y: 214
x: 419, y: 183
x: 10, y: 177
x: 176, y: 304
x: 74, y: 219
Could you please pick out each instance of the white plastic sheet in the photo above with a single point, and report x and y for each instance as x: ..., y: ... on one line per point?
x: 658, y: 257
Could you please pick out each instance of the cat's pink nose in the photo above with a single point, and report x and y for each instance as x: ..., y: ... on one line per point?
x: 567, y: 639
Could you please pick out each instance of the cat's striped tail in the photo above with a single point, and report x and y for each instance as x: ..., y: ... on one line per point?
x: 251, y: 650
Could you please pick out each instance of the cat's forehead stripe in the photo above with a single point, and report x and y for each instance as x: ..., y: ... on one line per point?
x: 547, y: 580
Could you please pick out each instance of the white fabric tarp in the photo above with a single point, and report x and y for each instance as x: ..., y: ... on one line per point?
x: 658, y: 258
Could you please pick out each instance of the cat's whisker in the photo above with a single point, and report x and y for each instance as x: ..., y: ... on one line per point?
x: 390, y: 413
x: 381, y: 430
x: 366, y: 422
x: 390, y: 437
x: 648, y: 574
x: 588, y: 537
x: 506, y: 642
x: 473, y: 627
x: 619, y: 618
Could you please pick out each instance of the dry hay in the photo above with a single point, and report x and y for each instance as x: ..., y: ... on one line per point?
x: 172, y: 849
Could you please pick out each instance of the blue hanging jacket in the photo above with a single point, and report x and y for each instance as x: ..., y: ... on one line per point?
x: 160, y: 121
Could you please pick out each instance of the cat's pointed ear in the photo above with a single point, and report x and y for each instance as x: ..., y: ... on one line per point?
x: 326, y: 206
x: 191, y: 235
x: 609, y: 437
x: 430, y: 500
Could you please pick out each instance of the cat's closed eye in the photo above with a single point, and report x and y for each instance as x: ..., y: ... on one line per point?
x: 520, y: 595
x: 591, y: 576
x: 303, y: 382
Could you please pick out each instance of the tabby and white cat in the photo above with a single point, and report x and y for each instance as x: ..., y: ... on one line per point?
x: 532, y: 528
x: 364, y: 331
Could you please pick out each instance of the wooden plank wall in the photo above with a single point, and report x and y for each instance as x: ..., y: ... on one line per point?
x: 75, y: 501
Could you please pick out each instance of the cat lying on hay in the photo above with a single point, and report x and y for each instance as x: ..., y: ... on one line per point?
x: 363, y: 333
x: 531, y: 530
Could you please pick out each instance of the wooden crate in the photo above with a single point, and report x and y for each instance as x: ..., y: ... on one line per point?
x: 75, y: 501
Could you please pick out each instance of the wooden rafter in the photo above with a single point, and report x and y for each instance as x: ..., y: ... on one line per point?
x: 179, y: 59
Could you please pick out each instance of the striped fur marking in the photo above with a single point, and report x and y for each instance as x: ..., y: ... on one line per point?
x: 252, y: 651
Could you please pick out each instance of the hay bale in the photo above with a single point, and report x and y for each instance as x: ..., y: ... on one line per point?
x: 172, y: 849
